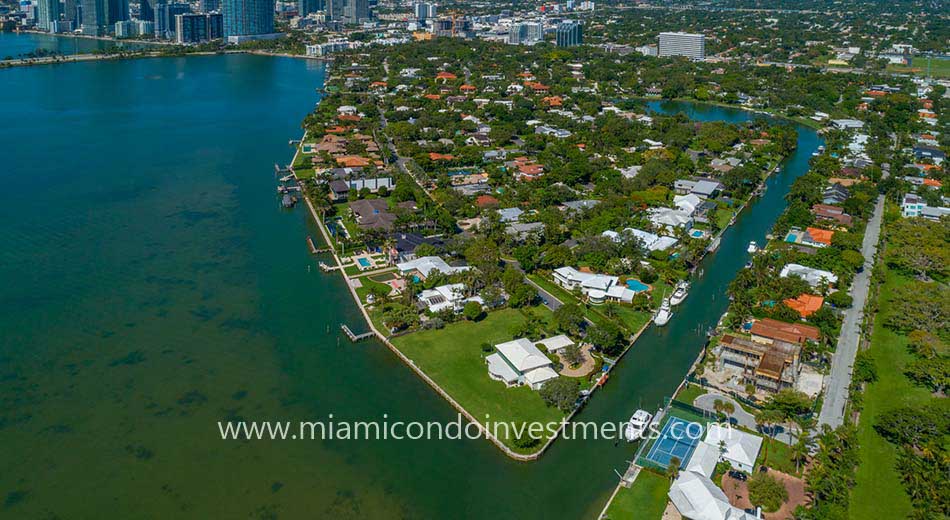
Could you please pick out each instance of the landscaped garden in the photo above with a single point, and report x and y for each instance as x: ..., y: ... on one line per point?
x: 454, y: 358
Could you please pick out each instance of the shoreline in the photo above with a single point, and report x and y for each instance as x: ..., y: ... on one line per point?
x: 521, y: 457
x: 632, y: 342
x: 80, y: 58
x: 132, y: 54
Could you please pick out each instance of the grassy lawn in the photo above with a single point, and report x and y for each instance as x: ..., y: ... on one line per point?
x: 689, y: 393
x: 453, y: 357
x: 304, y: 173
x: 939, y: 68
x: 634, y: 320
x: 723, y: 216
x: 363, y: 291
x: 779, y: 456
x: 645, y: 500
x: 626, y: 317
x: 878, y: 492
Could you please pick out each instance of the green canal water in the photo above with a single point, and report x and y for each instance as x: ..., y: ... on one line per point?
x: 152, y: 286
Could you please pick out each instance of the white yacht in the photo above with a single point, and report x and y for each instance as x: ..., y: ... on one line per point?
x: 636, y: 427
x: 753, y: 247
x: 680, y: 293
x: 662, y: 316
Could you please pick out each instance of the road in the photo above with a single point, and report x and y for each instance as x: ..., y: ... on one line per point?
x: 837, y: 383
x: 708, y: 402
x: 547, y: 298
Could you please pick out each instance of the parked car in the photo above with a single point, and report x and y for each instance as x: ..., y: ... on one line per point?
x: 738, y: 475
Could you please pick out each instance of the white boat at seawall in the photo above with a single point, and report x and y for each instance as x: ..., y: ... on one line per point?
x: 680, y: 293
x: 753, y: 247
x: 662, y: 316
x: 636, y: 427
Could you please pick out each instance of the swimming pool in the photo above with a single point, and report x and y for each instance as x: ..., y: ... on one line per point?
x: 364, y: 262
x: 696, y: 233
x: 791, y: 238
x: 636, y: 285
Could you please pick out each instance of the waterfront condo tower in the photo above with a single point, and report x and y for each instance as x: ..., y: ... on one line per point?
x: 248, y: 17
x: 47, y: 14
x: 147, y: 10
x: 95, y: 21
x: 118, y: 11
x: 692, y: 46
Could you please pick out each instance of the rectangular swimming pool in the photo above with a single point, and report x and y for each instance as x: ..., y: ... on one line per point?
x: 364, y: 262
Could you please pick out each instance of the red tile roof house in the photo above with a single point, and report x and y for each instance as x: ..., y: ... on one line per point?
x: 767, y: 330
x: 445, y: 76
x: 831, y: 213
x: 486, y: 201
x: 805, y: 304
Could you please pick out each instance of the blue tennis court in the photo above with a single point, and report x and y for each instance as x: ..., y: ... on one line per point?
x: 678, y: 438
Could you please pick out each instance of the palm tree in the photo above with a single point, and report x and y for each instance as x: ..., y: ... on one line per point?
x: 767, y: 418
x: 800, y: 449
x: 673, y: 469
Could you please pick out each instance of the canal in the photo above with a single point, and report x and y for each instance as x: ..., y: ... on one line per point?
x: 154, y: 287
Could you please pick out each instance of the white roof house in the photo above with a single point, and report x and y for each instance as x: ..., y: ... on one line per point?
x: 450, y: 296
x: 426, y: 264
x: 687, y: 203
x: 631, y: 171
x: 555, y: 343
x: 697, y: 498
x: 814, y: 277
x: 670, y: 219
x: 651, y: 241
x: 523, y: 359
x: 741, y: 448
x: 597, y: 287
x: 704, y: 459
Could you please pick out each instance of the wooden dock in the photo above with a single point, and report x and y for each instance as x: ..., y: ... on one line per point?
x: 353, y: 336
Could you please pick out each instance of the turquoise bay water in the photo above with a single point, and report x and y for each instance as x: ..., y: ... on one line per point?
x: 153, y: 286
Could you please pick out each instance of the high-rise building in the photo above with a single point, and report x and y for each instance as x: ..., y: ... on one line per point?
x: 118, y: 11
x: 165, y: 18
x: 95, y: 19
x: 69, y: 10
x: 693, y: 46
x: 425, y: 10
x: 525, y: 33
x: 147, y: 10
x: 248, y: 17
x: 124, y: 29
x: 47, y: 13
x: 569, y: 34
x: 215, y: 26
x: 144, y: 27
x: 208, y: 6
x: 334, y: 9
x: 191, y: 28
x: 356, y: 11
x: 305, y: 7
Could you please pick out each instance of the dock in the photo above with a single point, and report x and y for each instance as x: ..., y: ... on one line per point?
x: 353, y: 336
x: 329, y: 268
